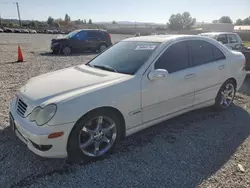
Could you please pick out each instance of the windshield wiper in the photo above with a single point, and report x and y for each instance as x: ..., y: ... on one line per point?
x: 108, y: 68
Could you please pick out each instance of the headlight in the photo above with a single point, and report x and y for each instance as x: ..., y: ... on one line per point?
x: 43, y: 115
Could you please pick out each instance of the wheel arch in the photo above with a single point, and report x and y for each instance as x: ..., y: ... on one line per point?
x: 112, y: 109
x: 233, y: 80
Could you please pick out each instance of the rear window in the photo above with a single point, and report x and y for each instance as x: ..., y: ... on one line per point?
x: 125, y: 57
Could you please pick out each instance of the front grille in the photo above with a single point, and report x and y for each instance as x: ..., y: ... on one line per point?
x: 21, y: 107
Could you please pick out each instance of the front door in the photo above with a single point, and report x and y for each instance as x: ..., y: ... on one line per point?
x: 80, y: 41
x: 173, y: 93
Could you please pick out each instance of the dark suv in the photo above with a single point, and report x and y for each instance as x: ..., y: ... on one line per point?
x: 82, y: 40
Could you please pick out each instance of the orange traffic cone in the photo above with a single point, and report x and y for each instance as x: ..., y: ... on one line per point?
x: 20, y: 55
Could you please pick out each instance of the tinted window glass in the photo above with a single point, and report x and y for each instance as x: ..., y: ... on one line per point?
x: 222, y: 39
x: 201, y: 52
x: 175, y: 58
x: 218, y: 55
x: 232, y: 38
x: 125, y: 57
x: 94, y: 34
x: 82, y: 35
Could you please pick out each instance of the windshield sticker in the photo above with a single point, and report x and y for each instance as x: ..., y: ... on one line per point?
x: 145, y: 47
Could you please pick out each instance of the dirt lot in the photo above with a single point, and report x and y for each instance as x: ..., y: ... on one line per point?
x: 198, y: 149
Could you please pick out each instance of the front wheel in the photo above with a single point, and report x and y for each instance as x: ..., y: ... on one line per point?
x: 66, y: 50
x: 225, y: 95
x: 94, y: 136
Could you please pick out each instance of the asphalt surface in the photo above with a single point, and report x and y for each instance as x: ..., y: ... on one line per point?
x: 198, y: 149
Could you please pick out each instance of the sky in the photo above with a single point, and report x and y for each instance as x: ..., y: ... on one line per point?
x: 157, y: 11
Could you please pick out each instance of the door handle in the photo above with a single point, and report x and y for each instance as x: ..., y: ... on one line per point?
x: 189, y: 76
x: 222, y: 67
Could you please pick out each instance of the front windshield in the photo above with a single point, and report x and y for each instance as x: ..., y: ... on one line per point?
x: 125, y: 57
x: 71, y: 34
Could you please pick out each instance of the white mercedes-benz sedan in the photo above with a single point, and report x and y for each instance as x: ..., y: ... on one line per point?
x: 83, y: 112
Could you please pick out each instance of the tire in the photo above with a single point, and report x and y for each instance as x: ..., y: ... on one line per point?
x: 225, y: 96
x: 66, y: 50
x: 85, y: 134
x: 102, y: 48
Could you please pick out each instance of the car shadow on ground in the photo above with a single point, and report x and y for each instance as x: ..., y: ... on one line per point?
x: 73, y: 54
x: 181, y: 152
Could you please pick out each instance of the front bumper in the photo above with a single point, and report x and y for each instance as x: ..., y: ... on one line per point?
x: 36, y: 138
x: 55, y: 46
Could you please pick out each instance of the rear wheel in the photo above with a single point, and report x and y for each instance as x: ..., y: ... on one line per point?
x: 94, y: 136
x: 225, y: 95
x: 102, y: 47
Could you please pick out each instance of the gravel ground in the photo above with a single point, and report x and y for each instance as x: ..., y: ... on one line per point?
x: 198, y: 149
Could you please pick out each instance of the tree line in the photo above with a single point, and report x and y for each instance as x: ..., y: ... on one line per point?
x: 185, y: 21
x: 66, y: 22
x: 50, y: 22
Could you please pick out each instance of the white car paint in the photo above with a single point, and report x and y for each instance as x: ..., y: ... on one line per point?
x: 142, y: 102
x: 228, y: 43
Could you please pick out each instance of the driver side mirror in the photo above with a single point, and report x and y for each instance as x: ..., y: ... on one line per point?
x: 157, y: 74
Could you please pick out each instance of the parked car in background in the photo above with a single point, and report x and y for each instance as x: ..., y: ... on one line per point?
x: 32, y: 31
x: 86, y: 110
x: 227, y: 38
x: 82, y: 40
x: 246, y: 51
x: 1, y: 30
x: 7, y: 30
x: 25, y: 31
x: 17, y: 31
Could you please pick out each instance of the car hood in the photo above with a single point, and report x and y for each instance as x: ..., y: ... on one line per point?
x: 66, y: 83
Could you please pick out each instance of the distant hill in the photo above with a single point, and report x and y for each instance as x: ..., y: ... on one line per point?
x: 129, y: 23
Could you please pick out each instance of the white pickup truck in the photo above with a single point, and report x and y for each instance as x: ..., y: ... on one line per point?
x: 229, y: 39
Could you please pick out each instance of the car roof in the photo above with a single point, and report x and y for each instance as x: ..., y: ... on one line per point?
x: 163, y: 38
x: 92, y: 30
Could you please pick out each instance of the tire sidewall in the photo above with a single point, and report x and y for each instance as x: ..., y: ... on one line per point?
x: 218, y: 97
x: 75, y: 154
x: 64, y: 48
x: 101, y: 47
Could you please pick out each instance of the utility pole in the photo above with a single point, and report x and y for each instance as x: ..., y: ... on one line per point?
x: 17, y: 6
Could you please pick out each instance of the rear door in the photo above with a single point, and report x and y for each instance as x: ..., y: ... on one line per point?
x: 94, y: 39
x: 210, y: 67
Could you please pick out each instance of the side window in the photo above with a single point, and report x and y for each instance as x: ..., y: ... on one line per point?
x: 218, y: 55
x: 175, y: 58
x: 81, y: 35
x: 94, y: 34
x: 222, y: 38
x: 201, y: 52
x: 232, y: 38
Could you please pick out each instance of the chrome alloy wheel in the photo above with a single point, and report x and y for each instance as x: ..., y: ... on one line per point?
x: 227, y: 95
x: 97, y: 136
